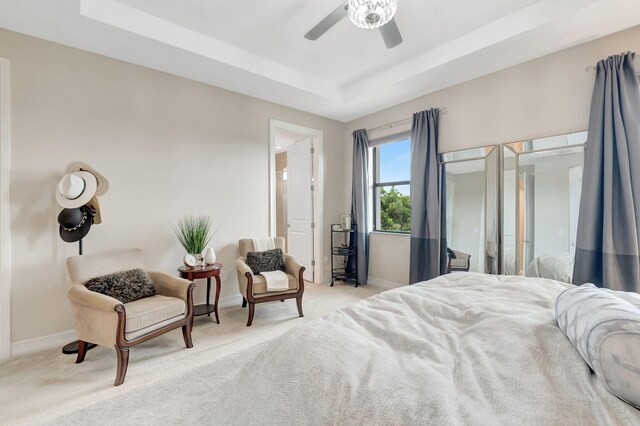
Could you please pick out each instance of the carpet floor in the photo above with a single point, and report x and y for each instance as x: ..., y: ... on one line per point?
x: 49, y: 387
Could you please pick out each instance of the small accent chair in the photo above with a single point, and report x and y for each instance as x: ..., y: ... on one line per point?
x: 108, y: 322
x: 253, y: 287
x: 458, y: 261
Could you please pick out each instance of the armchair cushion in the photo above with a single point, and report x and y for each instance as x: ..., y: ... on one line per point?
x: 126, y: 286
x: 260, y: 286
x: 263, y: 261
x: 152, y: 310
x: 459, y: 263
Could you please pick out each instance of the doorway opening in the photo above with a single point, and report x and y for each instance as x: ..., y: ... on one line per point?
x: 295, y: 176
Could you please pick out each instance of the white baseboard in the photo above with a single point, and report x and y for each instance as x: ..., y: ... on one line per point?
x: 386, y: 285
x: 36, y: 344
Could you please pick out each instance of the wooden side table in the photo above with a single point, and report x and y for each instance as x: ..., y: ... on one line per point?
x: 207, y: 272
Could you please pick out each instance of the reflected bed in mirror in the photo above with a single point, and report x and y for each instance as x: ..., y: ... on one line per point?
x: 542, y: 183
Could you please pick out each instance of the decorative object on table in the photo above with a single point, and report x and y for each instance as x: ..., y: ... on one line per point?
x: 254, y: 288
x: 190, y: 260
x: 345, y: 221
x: 209, y: 256
x: 194, y: 233
x: 208, y: 272
x: 110, y: 323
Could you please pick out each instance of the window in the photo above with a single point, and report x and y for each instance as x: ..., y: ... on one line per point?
x: 391, y: 187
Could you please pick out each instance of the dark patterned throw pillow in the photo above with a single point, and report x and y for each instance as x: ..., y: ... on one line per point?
x: 264, y: 261
x: 126, y: 286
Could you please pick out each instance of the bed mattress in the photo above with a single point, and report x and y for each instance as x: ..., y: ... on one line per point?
x: 464, y: 348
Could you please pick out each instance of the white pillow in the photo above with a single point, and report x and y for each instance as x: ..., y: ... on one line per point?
x: 604, y: 326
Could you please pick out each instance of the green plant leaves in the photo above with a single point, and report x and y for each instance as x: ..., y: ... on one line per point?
x: 193, y: 233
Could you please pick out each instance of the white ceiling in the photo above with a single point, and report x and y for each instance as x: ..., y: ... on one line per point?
x: 256, y: 47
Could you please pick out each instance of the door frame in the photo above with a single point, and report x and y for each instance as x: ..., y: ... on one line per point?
x: 317, y: 137
x: 5, y: 228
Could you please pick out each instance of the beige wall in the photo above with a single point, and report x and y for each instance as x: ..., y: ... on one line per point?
x: 169, y: 146
x: 548, y: 96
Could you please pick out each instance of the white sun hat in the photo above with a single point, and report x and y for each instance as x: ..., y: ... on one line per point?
x: 103, y: 183
x: 76, y: 189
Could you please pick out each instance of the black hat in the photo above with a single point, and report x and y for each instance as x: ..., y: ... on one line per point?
x: 75, y: 223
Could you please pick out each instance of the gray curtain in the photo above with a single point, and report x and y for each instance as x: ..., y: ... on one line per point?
x: 609, y: 225
x: 428, y: 257
x: 360, y: 203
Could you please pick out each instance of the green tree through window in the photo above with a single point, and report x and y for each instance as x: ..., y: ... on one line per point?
x: 395, y: 210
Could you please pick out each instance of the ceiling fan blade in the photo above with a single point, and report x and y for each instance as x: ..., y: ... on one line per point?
x: 391, y: 34
x: 328, y: 22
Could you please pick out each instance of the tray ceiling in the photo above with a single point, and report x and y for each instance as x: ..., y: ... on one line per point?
x: 256, y: 47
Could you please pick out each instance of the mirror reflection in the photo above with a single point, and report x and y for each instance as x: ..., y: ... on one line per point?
x: 471, y: 201
x: 542, y: 185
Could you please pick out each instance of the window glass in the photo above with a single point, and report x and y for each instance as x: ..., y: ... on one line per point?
x: 395, y: 161
x: 395, y: 208
x: 391, y: 195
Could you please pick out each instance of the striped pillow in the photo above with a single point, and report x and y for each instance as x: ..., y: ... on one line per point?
x: 604, y: 326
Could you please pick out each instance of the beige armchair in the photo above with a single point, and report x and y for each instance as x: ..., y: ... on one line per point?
x: 458, y: 261
x: 106, y: 321
x: 253, y: 287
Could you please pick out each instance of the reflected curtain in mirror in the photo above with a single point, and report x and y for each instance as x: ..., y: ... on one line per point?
x: 608, y: 236
x: 360, y: 203
x: 428, y: 257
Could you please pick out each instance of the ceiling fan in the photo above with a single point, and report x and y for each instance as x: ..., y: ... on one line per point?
x: 367, y: 14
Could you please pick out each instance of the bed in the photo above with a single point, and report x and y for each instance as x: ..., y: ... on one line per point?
x: 464, y: 348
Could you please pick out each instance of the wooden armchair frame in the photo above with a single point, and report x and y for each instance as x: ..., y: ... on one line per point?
x: 251, y: 300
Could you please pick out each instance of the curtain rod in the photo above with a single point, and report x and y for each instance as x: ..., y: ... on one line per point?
x: 443, y: 111
x: 591, y: 69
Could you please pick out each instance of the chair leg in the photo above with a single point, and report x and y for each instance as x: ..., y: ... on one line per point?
x: 299, y: 303
x: 82, y: 351
x: 244, y: 302
x: 252, y: 307
x: 123, y: 362
x: 186, y: 335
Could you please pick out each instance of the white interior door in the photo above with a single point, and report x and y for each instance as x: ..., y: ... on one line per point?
x: 300, y: 204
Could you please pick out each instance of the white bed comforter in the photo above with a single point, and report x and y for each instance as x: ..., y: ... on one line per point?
x: 461, y: 349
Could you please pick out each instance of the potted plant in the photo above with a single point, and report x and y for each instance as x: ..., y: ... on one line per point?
x: 194, y: 233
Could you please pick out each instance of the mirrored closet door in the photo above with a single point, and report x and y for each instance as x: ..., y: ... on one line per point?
x: 472, y: 209
x: 513, y: 208
x: 542, y: 183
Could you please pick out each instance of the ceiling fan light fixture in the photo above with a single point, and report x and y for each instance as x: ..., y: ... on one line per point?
x: 371, y: 14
